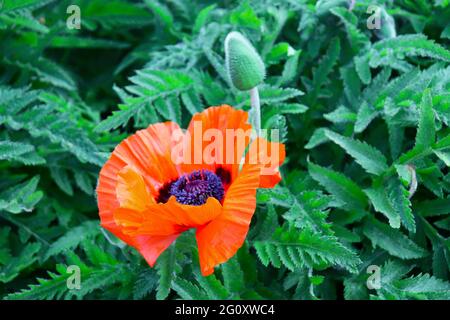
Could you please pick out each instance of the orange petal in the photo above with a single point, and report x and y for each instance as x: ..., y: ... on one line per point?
x: 148, y: 153
x: 270, y: 155
x: 219, y: 240
x: 152, y: 246
x: 130, y: 220
x: 173, y: 217
x: 226, y: 133
x: 131, y: 190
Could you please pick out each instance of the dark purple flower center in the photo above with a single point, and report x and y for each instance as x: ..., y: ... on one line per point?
x: 195, y: 188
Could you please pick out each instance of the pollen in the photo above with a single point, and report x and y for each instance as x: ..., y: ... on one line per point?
x: 195, y: 188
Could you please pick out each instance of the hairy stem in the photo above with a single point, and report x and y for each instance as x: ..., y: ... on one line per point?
x: 256, y: 107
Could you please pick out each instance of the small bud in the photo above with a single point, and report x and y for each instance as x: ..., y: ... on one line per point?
x: 244, y: 65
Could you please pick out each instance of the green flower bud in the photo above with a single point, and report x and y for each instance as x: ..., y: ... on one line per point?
x: 244, y: 65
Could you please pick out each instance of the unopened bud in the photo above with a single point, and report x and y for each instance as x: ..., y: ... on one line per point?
x: 244, y: 65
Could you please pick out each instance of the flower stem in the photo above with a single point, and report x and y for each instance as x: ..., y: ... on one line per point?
x: 256, y: 107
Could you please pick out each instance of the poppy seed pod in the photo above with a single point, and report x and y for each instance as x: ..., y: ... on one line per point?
x: 244, y: 65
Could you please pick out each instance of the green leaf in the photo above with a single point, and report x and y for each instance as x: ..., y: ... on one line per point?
x: 117, y: 119
x: 392, y: 240
x: 290, y: 69
x: 162, y: 12
x: 364, y: 117
x: 372, y: 160
x: 83, y: 42
x: 318, y: 137
x: 341, y: 115
x: 426, y: 131
x: 202, y: 17
x: 309, y: 211
x: 381, y: 203
x: 169, y: 108
x: 394, y: 285
x: 73, y: 238
x: 213, y: 287
x: 270, y: 94
x: 424, y: 285
x: 188, y: 290
x: 26, y: 257
x: 233, y: 278
x: 342, y: 188
x: 145, y: 284
x: 166, y: 267
x: 54, y: 287
x: 327, y: 63
x: 296, y: 250
x: 61, y: 177
x: 245, y: 16
x: 21, y: 198
x: 398, y: 197
x: 151, y: 89
x: 84, y: 182
x: 412, y: 45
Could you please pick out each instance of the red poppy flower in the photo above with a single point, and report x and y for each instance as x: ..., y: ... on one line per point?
x: 147, y: 199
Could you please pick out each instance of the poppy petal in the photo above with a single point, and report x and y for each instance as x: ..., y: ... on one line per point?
x: 152, y: 246
x: 270, y: 155
x: 219, y: 240
x: 148, y: 153
x: 224, y: 136
x: 131, y: 190
x: 173, y: 217
x: 130, y: 220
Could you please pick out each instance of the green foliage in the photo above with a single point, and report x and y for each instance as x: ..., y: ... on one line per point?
x: 393, y: 241
x: 300, y: 250
x: 421, y: 286
x: 364, y: 116
x: 372, y: 160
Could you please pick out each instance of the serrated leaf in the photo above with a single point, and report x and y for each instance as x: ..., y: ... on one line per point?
x: 392, y: 240
x: 381, y: 203
x: 426, y: 130
x: 398, y: 197
x: 344, y: 189
x: 73, y: 238
x: 372, y: 160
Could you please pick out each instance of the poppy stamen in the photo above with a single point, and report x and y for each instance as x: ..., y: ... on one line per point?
x: 195, y: 188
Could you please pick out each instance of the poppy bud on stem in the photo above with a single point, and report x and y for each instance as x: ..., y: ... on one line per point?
x: 246, y: 71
